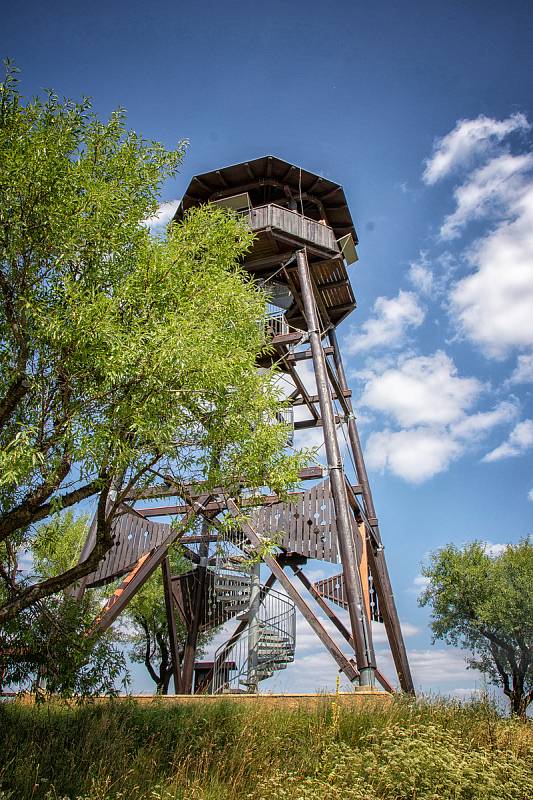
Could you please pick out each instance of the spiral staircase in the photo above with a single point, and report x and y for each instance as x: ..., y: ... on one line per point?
x: 267, y: 643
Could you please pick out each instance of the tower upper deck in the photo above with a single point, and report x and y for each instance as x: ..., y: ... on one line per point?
x: 288, y: 208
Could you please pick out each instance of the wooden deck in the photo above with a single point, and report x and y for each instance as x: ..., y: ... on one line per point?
x: 292, y: 224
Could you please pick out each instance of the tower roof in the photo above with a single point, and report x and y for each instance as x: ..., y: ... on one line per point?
x: 270, y: 180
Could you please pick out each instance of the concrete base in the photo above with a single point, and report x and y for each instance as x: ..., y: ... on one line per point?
x: 269, y: 700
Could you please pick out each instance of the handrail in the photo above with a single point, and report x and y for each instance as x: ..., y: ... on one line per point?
x: 295, y: 223
x: 277, y: 621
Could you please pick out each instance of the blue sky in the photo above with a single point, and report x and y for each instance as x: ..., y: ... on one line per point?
x: 423, y: 112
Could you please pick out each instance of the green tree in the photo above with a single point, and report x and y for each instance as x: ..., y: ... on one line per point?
x: 484, y: 604
x: 48, y: 647
x: 123, y: 357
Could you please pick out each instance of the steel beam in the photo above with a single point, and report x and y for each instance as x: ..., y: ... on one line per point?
x: 360, y: 625
x: 378, y: 566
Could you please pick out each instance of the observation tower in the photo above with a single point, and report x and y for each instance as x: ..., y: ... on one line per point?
x: 304, y: 241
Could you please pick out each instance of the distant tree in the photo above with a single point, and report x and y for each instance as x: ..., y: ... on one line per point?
x: 484, y: 604
x: 48, y: 647
x: 123, y: 357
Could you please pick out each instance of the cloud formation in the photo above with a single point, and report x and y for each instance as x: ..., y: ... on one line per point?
x: 391, y: 320
x: 523, y: 372
x: 414, y: 455
x: 431, y: 403
x: 492, y: 191
x: 468, y: 139
x: 421, y: 276
x: 491, y: 305
x: 422, y: 390
x: 162, y: 217
x: 518, y: 442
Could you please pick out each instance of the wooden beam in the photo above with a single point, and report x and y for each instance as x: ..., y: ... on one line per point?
x: 259, y: 264
x: 303, y: 355
x: 133, y: 581
x: 314, y: 398
x: 287, y: 338
x: 343, y: 630
x: 303, y: 424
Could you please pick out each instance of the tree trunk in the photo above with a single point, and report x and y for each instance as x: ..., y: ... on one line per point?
x: 519, y: 703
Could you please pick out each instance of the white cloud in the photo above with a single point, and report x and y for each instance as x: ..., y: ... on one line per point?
x: 523, y: 372
x: 420, y: 583
x: 162, y: 217
x: 393, y: 316
x: 433, y: 669
x: 490, y: 191
x: 520, y: 439
x: 414, y: 455
x: 421, y: 276
x: 484, y: 421
x: 530, y: 495
x: 469, y: 138
x: 427, y: 398
x: 494, y: 549
x: 379, y: 635
x: 423, y: 390
x: 493, y: 304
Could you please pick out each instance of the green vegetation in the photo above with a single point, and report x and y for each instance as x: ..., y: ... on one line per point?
x: 47, y: 648
x: 123, y: 357
x: 484, y: 603
x: 225, y: 751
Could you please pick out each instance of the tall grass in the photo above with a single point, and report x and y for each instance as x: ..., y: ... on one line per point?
x: 227, y: 751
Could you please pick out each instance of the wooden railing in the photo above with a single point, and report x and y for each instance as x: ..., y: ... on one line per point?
x: 274, y: 216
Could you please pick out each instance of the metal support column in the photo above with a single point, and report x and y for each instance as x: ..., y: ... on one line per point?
x: 360, y: 625
x: 253, y: 627
x: 378, y: 565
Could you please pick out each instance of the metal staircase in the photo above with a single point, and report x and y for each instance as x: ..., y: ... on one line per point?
x: 233, y: 575
x: 266, y: 646
x: 267, y: 643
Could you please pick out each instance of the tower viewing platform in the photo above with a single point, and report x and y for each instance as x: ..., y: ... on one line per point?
x: 288, y: 208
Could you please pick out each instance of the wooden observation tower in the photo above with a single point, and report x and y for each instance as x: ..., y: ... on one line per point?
x: 305, y: 239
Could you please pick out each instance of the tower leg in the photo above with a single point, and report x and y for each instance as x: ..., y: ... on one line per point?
x: 253, y: 628
x: 171, y: 622
x: 378, y: 566
x: 189, y: 651
x: 360, y: 625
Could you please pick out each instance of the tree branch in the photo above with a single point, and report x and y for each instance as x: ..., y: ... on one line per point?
x: 24, y: 515
x: 147, y: 649
x: 103, y: 542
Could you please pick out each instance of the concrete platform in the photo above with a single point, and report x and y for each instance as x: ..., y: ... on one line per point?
x: 356, y: 697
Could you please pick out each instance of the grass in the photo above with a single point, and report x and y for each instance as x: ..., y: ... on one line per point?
x: 224, y: 751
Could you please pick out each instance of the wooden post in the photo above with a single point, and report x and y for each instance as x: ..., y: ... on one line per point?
x: 191, y: 644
